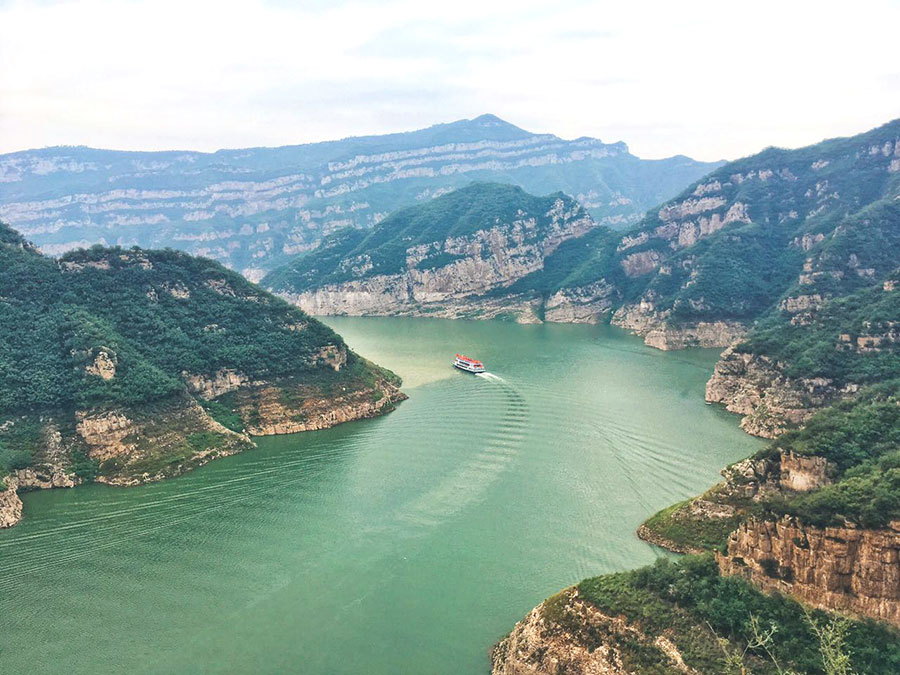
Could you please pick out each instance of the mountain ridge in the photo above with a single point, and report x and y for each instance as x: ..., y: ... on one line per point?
x: 254, y: 208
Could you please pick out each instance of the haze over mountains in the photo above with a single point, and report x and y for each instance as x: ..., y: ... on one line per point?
x: 253, y: 209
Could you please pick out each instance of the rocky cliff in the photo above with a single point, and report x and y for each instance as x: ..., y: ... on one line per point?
x: 661, y: 331
x: 848, y: 569
x: 459, y: 255
x: 770, y: 402
x: 565, y: 634
x: 10, y: 504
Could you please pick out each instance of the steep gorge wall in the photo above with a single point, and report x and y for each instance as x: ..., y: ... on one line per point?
x: 846, y: 569
x: 659, y: 331
x: 151, y: 442
x: 771, y: 402
x: 489, y: 261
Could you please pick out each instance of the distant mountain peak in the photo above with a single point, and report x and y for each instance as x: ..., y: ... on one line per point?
x: 490, y: 120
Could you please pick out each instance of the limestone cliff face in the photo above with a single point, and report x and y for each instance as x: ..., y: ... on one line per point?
x: 252, y: 208
x: 10, y: 504
x: 658, y: 331
x: 583, y: 304
x: 484, y: 262
x: 286, y: 408
x: 565, y: 634
x: 209, y: 387
x: 757, y: 388
x: 839, y: 568
x: 704, y: 522
x: 136, y: 445
x: 148, y: 443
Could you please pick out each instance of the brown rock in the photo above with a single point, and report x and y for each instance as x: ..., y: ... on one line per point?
x: 846, y: 569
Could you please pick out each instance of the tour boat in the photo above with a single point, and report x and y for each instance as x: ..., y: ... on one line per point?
x: 467, y: 364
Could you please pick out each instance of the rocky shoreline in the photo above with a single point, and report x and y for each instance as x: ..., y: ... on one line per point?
x: 770, y: 402
x: 565, y: 634
x: 137, y: 446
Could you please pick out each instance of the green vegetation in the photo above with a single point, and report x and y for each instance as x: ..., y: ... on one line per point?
x: 224, y: 411
x: 306, y: 185
x: 684, y: 530
x: 352, y: 254
x: 113, y: 328
x: 827, y: 346
x: 153, y: 314
x: 860, y: 438
x: 690, y: 603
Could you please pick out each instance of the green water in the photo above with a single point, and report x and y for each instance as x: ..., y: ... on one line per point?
x: 406, y: 544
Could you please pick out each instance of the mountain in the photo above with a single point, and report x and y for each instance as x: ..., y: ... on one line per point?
x: 791, y: 256
x: 448, y: 256
x: 781, y: 229
x: 254, y: 208
x: 792, y: 259
x: 129, y: 365
x: 822, y: 219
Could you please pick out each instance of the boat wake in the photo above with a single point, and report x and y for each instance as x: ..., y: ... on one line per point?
x: 488, y: 457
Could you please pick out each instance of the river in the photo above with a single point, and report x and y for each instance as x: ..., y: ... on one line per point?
x: 406, y: 544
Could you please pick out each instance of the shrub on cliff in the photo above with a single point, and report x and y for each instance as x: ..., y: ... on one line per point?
x: 692, y: 604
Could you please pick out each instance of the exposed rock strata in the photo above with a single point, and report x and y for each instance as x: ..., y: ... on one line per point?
x: 209, y: 387
x: 288, y: 409
x: 251, y: 208
x: 565, y: 634
x: 489, y: 260
x: 10, y: 504
x: 659, y: 331
x: 846, y: 569
x: 148, y: 443
x: 721, y: 508
x: 757, y: 388
x: 584, y: 304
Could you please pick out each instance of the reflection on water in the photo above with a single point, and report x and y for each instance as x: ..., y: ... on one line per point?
x: 409, y: 543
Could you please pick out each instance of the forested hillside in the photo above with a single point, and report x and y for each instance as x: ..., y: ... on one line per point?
x: 116, y: 363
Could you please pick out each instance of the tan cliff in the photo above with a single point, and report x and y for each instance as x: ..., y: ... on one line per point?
x: 721, y: 508
x: 10, y: 504
x: 490, y: 260
x: 660, y: 332
x: 847, y: 569
x: 135, y: 445
x: 756, y: 387
x: 565, y: 634
x: 288, y: 408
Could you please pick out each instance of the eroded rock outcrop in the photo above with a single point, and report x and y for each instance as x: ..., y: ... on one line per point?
x: 287, y: 408
x: 455, y: 275
x: 659, y: 331
x: 756, y: 387
x: 10, y: 504
x: 148, y: 443
x: 209, y: 387
x: 565, y: 634
x: 847, y: 569
x: 583, y: 304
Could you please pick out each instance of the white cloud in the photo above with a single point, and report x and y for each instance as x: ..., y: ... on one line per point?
x: 708, y: 79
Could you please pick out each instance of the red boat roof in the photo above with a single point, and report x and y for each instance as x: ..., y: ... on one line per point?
x: 466, y: 358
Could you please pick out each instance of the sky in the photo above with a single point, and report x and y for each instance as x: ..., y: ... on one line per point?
x: 712, y: 80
